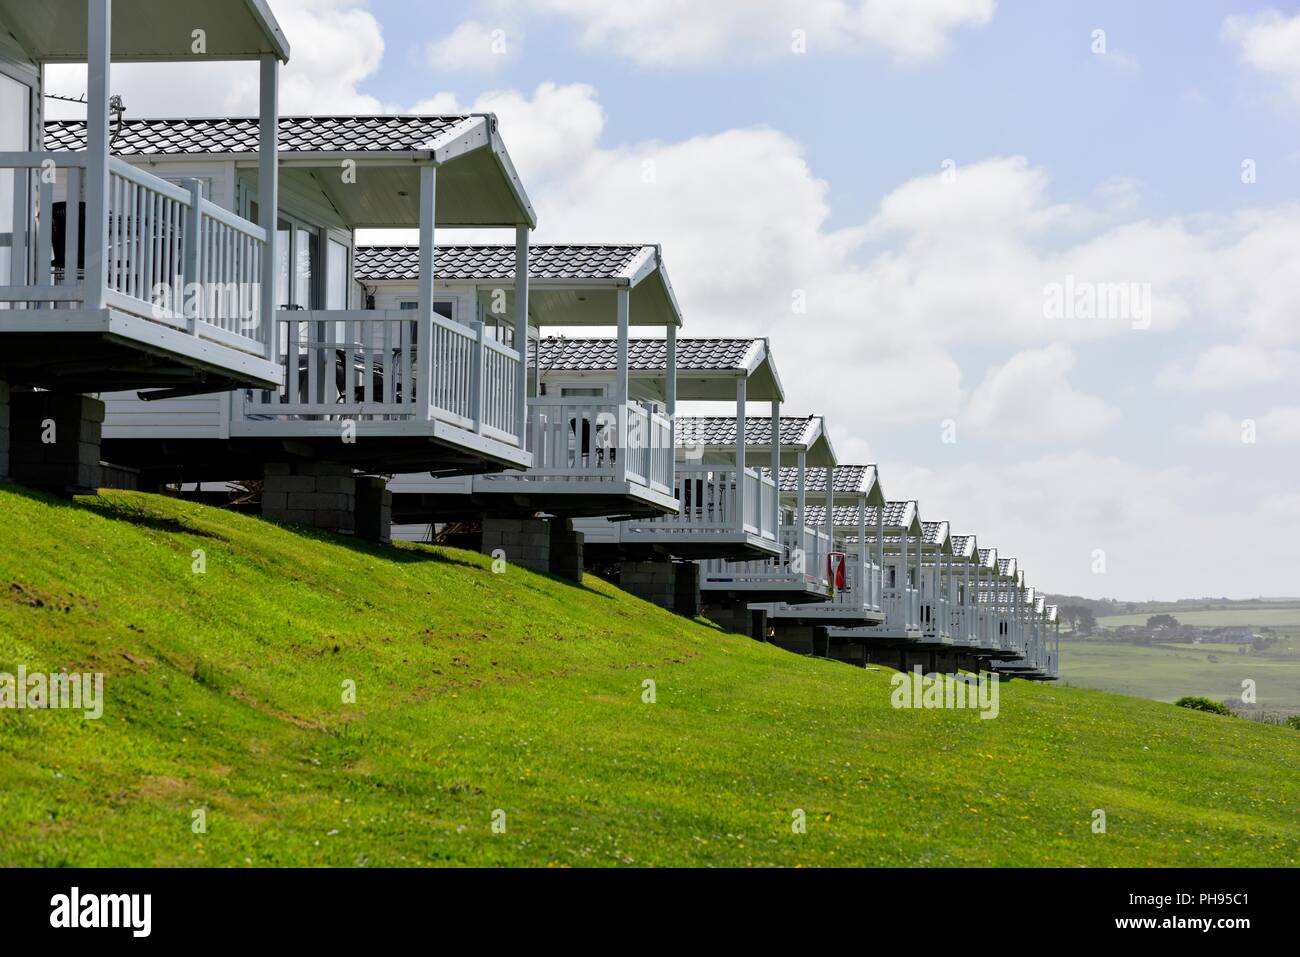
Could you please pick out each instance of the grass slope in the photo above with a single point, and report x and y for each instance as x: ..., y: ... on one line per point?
x: 478, y: 692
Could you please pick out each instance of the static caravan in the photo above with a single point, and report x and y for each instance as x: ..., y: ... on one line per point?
x: 723, y: 511
x: 728, y: 588
x: 965, y: 588
x: 431, y: 384
x: 855, y: 571
x: 601, y: 443
x: 87, y: 240
x: 896, y: 534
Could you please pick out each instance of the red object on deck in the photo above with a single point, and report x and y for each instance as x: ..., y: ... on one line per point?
x: 835, y: 569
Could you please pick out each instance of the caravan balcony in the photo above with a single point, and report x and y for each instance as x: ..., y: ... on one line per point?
x: 723, y: 510
x: 600, y: 437
x: 964, y: 614
x: 112, y: 277
x: 799, y: 572
x: 429, y: 382
x: 894, y: 536
x: 857, y: 585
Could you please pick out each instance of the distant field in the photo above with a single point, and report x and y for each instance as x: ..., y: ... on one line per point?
x: 1276, y: 616
x: 1167, y: 673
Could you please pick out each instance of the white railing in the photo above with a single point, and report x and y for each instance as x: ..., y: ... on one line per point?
x: 859, y: 592
x: 707, y: 499
x: 936, y: 619
x: 346, y: 364
x: 592, y: 439
x: 39, y: 273
x: 802, y: 564
x: 901, y: 607
x: 172, y: 256
x: 364, y: 364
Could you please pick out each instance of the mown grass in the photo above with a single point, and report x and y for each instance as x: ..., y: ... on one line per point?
x: 515, y: 693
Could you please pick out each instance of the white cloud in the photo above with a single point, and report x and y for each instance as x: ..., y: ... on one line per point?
x: 472, y: 47
x: 1279, y: 425
x: 547, y: 134
x: 1270, y: 43
x: 691, y: 32
x: 1161, y: 530
x: 1030, y: 399
x: 334, y: 46
x: 1231, y: 366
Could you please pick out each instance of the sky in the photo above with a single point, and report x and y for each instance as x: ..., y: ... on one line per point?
x: 1039, y: 261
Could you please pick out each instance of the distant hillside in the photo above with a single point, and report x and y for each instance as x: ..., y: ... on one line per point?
x: 518, y: 700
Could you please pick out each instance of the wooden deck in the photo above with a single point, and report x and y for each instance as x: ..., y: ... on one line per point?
x: 182, y: 283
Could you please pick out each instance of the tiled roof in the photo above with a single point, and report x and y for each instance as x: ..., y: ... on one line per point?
x: 896, y: 514
x: 1006, y: 566
x: 932, y: 533
x: 497, y: 261
x: 238, y: 134
x: 843, y: 516
x: 848, y: 478
x: 986, y: 555
x: 601, y: 354
x: 695, y: 430
x: 961, y: 545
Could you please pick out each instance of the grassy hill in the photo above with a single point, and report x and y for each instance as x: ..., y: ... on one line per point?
x: 478, y: 692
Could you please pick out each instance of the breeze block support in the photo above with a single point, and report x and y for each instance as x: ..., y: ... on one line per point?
x: 374, y: 509
x: 566, y: 550
x: 320, y: 494
x: 735, y: 615
x: 525, y: 542
x: 54, y: 440
x: 4, y: 430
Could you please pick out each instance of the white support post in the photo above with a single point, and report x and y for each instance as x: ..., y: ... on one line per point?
x: 670, y: 400
x: 800, y: 503
x: 424, y: 294
x: 99, y: 41
x: 194, y: 255
x: 902, y: 586
x: 521, y: 334
x: 776, y: 470
x: 828, y: 526
x: 268, y: 195
x: 880, y: 555
x: 864, y: 598
x: 739, y: 496
x: 621, y: 390
x: 624, y: 298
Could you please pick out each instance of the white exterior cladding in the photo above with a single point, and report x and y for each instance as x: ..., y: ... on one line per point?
x: 77, y: 288
x: 601, y: 439
x: 425, y: 376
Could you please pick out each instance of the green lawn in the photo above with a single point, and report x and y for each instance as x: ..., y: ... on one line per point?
x: 1167, y: 672
x: 479, y: 693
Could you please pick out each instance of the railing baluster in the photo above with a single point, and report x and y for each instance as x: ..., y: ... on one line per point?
x: 45, y: 233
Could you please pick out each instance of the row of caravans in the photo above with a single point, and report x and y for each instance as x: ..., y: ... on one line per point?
x: 206, y: 315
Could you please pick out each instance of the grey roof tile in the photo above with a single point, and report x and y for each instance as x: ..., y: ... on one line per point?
x: 932, y: 532
x: 643, y: 355
x: 488, y: 261
x: 896, y: 514
x: 848, y: 478
x: 239, y: 134
x: 962, y: 545
x: 696, y: 430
